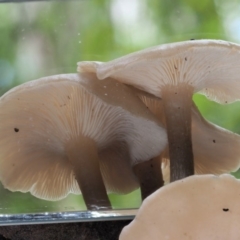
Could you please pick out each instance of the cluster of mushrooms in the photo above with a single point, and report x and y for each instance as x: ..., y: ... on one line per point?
x: 120, y: 125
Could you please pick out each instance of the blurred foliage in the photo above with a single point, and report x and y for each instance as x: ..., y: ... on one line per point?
x: 45, y: 38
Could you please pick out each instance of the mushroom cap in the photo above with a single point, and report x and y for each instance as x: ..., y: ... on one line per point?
x: 121, y: 96
x: 197, y: 207
x: 38, y: 119
x: 216, y: 150
x: 210, y: 66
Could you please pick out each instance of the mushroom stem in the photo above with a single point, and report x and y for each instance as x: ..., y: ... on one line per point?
x: 82, y: 153
x: 150, y: 177
x: 177, y: 103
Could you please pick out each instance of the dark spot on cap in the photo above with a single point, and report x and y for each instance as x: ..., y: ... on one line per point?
x: 214, y: 140
x: 192, y: 39
x: 185, y: 58
x: 69, y: 97
x: 16, y: 129
x: 225, y: 209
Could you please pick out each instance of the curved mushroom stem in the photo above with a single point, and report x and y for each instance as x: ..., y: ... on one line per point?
x: 150, y: 177
x: 82, y: 153
x: 177, y: 103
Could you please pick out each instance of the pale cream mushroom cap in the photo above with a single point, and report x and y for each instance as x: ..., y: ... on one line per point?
x: 120, y: 95
x: 174, y: 72
x: 198, y: 207
x: 216, y: 150
x: 211, y: 67
x: 38, y: 119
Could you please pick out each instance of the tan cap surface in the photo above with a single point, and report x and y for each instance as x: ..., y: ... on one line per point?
x: 198, y: 208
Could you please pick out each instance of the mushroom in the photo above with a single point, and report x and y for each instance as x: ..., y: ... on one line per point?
x: 66, y: 133
x: 216, y: 150
x: 174, y: 72
x: 197, y: 207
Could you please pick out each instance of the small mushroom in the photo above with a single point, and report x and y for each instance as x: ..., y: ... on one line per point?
x: 216, y: 150
x: 66, y: 133
x: 174, y: 72
x: 197, y: 207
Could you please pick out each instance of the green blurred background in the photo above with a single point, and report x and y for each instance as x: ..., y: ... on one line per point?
x: 49, y: 37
